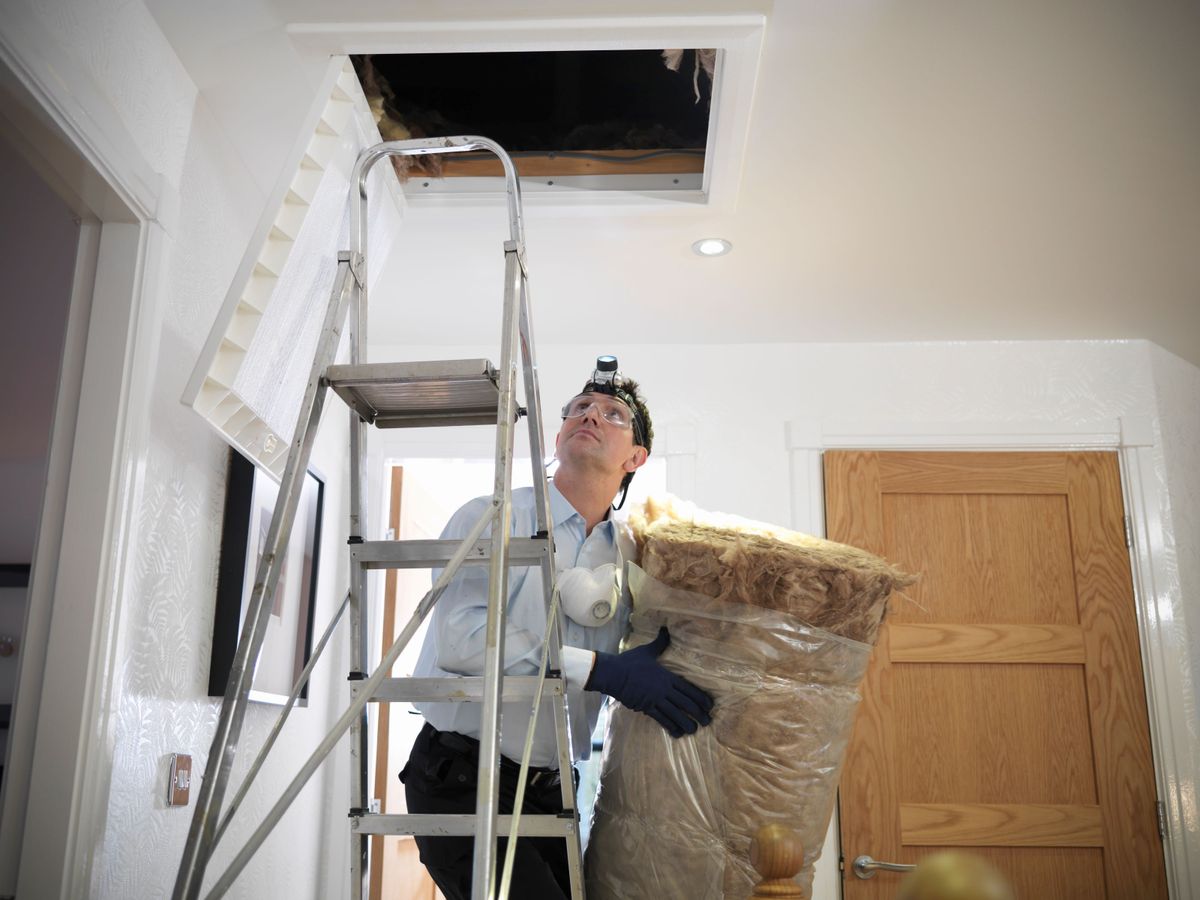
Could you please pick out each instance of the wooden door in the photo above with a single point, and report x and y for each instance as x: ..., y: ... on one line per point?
x: 1004, y: 709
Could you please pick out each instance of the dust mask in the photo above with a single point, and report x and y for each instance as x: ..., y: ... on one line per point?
x: 590, y: 596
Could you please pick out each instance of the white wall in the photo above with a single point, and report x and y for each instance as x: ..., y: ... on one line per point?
x: 1178, y: 394
x: 738, y: 398
x: 112, y: 73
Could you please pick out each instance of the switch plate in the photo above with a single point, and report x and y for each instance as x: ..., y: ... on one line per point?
x: 179, y: 783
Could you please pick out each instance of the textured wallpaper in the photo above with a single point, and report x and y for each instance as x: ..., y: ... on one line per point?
x: 159, y: 702
x: 156, y: 702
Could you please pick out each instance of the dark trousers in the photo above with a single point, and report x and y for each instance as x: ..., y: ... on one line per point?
x: 441, y: 777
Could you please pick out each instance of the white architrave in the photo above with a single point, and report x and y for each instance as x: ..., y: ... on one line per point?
x: 56, y: 784
x: 1164, y: 663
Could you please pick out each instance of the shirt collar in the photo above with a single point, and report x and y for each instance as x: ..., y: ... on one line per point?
x: 561, y: 510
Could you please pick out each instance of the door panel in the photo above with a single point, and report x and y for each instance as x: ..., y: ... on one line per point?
x: 1032, y: 706
x: 985, y: 557
x: 1004, y: 707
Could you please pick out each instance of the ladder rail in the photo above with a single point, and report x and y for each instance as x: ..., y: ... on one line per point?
x: 361, y: 697
x: 256, y: 766
x: 487, y: 797
x: 541, y: 499
x: 510, y: 853
x: 198, y: 849
x: 425, y: 147
x: 562, y: 712
x: 552, y: 655
x: 359, y: 631
x: 533, y: 402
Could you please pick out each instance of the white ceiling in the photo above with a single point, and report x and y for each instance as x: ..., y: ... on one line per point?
x: 926, y: 170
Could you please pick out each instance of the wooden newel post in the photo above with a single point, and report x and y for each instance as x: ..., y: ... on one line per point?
x: 777, y: 854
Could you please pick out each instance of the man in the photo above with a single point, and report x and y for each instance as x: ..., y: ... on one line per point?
x: 605, y: 437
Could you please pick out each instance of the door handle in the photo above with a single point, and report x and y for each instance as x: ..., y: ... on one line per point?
x: 866, y: 867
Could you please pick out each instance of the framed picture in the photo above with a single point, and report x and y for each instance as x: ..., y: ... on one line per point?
x: 249, y: 504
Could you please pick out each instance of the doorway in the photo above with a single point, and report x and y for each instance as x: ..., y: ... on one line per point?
x: 38, y: 257
x: 1004, y: 711
x: 72, y: 576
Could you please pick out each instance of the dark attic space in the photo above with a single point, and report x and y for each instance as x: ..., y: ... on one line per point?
x: 563, y: 113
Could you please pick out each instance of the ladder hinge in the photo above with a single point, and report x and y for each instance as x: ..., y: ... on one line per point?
x: 566, y: 814
x: 517, y: 248
x: 356, y: 264
x: 1128, y: 531
x: 354, y: 539
x: 1161, y: 809
x: 357, y: 676
x: 542, y: 535
x: 357, y: 811
x: 553, y: 673
x: 522, y: 411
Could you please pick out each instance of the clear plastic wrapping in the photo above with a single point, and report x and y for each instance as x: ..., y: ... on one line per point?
x: 674, y: 818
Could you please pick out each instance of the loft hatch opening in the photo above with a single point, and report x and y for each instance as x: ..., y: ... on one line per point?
x: 578, y: 119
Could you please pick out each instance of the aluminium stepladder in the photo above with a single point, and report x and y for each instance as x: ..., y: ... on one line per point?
x: 454, y: 392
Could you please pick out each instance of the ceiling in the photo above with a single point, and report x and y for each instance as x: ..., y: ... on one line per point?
x: 912, y: 171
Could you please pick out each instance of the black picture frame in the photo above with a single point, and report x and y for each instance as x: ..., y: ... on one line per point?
x: 249, y: 503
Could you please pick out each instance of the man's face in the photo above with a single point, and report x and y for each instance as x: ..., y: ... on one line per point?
x: 597, y: 432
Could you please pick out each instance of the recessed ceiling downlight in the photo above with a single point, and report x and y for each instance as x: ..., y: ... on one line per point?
x: 711, y: 247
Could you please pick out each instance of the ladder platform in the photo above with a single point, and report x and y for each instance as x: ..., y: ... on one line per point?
x: 460, y: 824
x: 429, y: 393
x: 461, y: 688
x: 435, y: 554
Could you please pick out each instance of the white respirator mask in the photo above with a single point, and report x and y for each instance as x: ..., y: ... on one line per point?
x: 590, y: 596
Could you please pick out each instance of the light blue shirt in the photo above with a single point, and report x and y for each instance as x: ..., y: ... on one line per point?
x: 454, y: 643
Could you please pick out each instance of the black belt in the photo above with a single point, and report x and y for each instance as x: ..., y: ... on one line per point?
x: 539, y: 777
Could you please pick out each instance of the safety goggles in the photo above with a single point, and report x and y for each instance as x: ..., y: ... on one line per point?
x: 614, y: 412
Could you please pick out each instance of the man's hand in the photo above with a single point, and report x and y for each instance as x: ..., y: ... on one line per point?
x: 639, y: 681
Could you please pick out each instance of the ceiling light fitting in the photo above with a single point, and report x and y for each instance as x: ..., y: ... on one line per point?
x: 711, y: 247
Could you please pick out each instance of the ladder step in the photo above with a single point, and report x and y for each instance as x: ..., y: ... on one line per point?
x: 419, y: 394
x: 464, y: 688
x: 431, y: 554
x: 458, y: 824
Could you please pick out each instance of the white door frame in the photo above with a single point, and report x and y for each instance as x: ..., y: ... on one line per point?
x: 1166, y: 669
x: 57, y: 777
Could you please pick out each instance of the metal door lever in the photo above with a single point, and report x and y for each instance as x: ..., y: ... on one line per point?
x: 866, y: 867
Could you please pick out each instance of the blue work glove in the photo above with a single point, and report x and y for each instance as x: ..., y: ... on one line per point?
x: 638, y: 680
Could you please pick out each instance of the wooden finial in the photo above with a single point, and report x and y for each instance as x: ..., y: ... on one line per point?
x: 777, y: 853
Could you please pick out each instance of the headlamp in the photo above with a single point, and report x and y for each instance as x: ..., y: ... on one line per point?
x: 607, y: 380
x: 605, y: 374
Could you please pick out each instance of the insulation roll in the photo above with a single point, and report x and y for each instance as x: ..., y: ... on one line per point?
x: 778, y: 628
